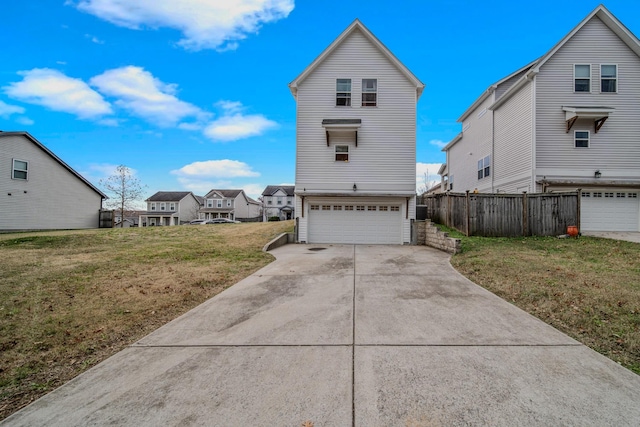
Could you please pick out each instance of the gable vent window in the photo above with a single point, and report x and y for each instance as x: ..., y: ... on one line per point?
x: 20, y: 169
x: 581, y: 139
x: 343, y: 92
x: 342, y: 153
x: 582, y: 78
x: 369, y: 92
x: 608, y: 78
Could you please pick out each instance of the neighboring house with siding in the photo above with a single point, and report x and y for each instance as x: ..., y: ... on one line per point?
x: 232, y: 204
x: 38, y: 191
x: 278, y: 202
x: 569, y: 120
x: 166, y: 208
x: 355, y: 143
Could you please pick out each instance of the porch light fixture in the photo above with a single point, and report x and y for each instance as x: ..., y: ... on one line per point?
x: 597, y: 174
x: 355, y: 187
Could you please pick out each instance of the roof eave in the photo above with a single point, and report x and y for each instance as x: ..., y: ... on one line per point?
x: 453, y: 142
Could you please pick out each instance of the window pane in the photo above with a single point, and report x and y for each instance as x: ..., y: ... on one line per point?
x: 582, y: 85
x: 17, y: 164
x: 487, y: 161
x: 608, y: 86
x: 343, y: 85
x: 480, y: 164
x: 369, y: 85
x: 608, y: 71
x: 582, y: 135
x: 342, y: 148
x: 583, y: 71
x: 19, y: 174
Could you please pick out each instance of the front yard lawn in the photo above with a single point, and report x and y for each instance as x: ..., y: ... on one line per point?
x: 588, y: 288
x: 70, y: 299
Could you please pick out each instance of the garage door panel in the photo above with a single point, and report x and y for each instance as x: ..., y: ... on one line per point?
x: 610, y: 210
x: 355, y: 222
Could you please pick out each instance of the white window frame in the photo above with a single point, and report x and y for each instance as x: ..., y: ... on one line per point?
x: 153, y: 206
x: 163, y: 206
x: 209, y: 203
x: 15, y: 169
x: 484, y: 167
x: 581, y: 78
x: 229, y: 203
x: 369, y: 91
x: 343, y: 94
x: 219, y: 203
x: 575, y: 138
x: 341, y: 153
x: 615, y: 78
x: 172, y: 206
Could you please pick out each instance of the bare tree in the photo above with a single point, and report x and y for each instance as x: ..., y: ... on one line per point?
x: 125, y: 190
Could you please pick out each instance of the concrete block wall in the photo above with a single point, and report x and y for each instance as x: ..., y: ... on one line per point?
x: 429, y: 235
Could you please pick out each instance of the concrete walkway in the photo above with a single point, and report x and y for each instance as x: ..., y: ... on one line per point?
x: 349, y: 336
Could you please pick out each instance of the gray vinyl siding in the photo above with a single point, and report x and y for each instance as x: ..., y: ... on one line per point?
x: 385, y: 158
x: 51, y: 198
x: 615, y: 149
x: 188, y: 209
x: 475, y: 145
x: 504, y: 86
x: 512, y: 161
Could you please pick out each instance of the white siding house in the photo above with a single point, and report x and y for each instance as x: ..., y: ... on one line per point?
x: 570, y: 120
x: 169, y: 208
x: 355, y: 143
x: 277, y: 201
x: 38, y: 191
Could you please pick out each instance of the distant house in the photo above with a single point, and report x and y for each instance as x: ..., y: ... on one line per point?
x: 167, y: 208
x: 569, y: 120
x: 232, y: 204
x: 278, y: 201
x: 356, y: 143
x: 38, y: 191
x: 131, y: 219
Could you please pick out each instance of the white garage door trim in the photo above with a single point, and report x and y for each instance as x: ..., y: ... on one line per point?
x: 352, y: 221
x: 610, y: 210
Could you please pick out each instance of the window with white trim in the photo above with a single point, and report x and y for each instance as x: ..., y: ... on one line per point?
x: 314, y: 207
x: 219, y: 203
x: 326, y: 207
x: 582, y: 78
x: 484, y: 167
x: 581, y: 139
x: 209, y: 203
x: 342, y: 153
x: 395, y: 208
x: 229, y: 203
x: 359, y: 208
x: 369, y: 92
x: 348, y: 208
x: 172, y: 206
x: 153, y: 207
x: 20, y: 169
x: 163, y: 206
x: 608, y: 78
x: 343, y: 92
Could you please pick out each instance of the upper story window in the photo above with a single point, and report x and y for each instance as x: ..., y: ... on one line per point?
x: 209, y: 203
x: 608, y: 78
x: 219, y: 203
x: 153, y: 207
x: 582, y: 78
x: 343, y: 92
x: 484, y: 167
x: 450, y: 183
x: 279, y: 200
x: 269, y: 202
x: 20, y: 169
x: 163, y: 206
x: 228, y: 203
x: 342, y: 153
x: 369, y: 92
x: 581, y: 139
x: 172, y: 206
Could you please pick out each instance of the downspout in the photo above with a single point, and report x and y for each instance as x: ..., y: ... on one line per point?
x: 531, y: 76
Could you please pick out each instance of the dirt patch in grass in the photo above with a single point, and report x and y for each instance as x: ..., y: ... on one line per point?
x: 70, y: 299
x: 589, y: 288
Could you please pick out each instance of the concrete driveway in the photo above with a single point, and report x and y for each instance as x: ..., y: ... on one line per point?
x: 629, y: 236
x: 349, y: 336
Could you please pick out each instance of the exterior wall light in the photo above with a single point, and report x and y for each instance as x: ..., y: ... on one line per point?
x: 597, y: 174
x: 355, y: 187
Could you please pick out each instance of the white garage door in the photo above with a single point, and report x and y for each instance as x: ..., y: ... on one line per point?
x: 610, y: 210
x: 357, y: 222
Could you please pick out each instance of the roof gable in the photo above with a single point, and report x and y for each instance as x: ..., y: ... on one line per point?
x: 227, y: 194
x: 169, y: 196
x: 272, y: 189
x: 38, y: 144
x: 356, y: 25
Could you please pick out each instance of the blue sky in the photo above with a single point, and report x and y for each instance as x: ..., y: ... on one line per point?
x: 192, y: 94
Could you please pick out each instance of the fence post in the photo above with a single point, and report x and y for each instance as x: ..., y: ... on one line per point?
x: 578, y: 208
x: 525, y: 215
x: 466, y: 208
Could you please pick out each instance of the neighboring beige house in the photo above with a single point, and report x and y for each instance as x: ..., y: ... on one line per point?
x: 38, y: 191
x: 232, y: 204
x: 167, y: 208
x: 569, y: 120
x: 278, y: 200
x: 355, y: 143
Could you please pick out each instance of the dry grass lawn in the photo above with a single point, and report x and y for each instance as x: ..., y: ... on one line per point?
x: 588, y: 288
x: 70, y: 299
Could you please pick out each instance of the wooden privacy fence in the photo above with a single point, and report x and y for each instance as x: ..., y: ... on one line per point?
x: 505, y: 215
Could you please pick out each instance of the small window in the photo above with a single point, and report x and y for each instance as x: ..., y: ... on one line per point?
x: 348, y: 208
x: 395, y: 208
x: 342, y: 153
x: 620, y: 195
x: 484, y: 167
x: 581, y: 139
x: 172, y: 206
x: 582, y: 78
x: 279, y: 200
x: 632, y: 195
x: 20, y: 169
x: 359, y: 208
x: 228, y: 203
x: 597, y: 194
x: 219, y: 203
x: 153, y: 206
x: 586, y: 194
x: 343, y: 92
x: 608, y: 78
x: 209, y: 203
x: 326, y: 207
x: 269, y: 202
x: 315, y: 207
x: 369, y: 92
x: 609, y: 195
x: 372, y: 208
x: 163, y: 206
x: 337, y: 208
x: 384, y: 208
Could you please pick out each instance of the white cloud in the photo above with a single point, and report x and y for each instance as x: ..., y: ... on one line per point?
x: 438, y: 143
x: 24, y: 120
x: 6, y: 110
x: 216, y: 169
x: 234, y: 125
x: 139, y: 92
x: 58, y: 92
x: 94, y: 39
x: 427, y: 175
x: 205, y: 24
x: 253, y: 190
